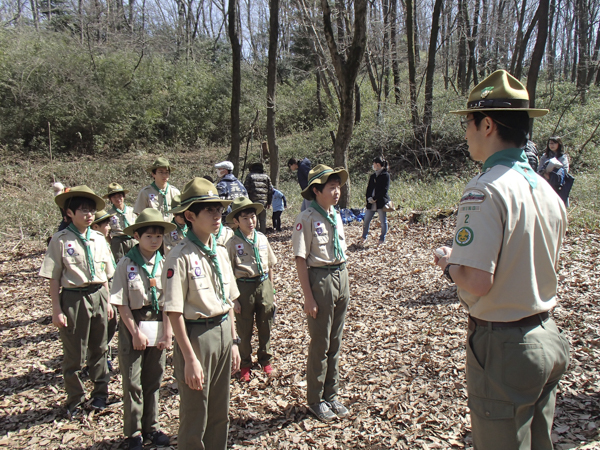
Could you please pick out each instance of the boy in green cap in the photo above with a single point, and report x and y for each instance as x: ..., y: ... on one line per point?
x: 160, y: 193
x: 173, y: 238
x: 319, y: 247
x: 79, y: 265
x: 253, y: 260
x: 122, y: 217
x: 199, y: 290
x: 145, y: 329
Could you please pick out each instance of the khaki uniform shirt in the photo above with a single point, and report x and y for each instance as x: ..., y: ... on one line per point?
x: 242, y: 257
x: 117, y: 222
x: 131, y: 285
x: 507, y: 228
x: 190, y: 284
x: 151, y: 198
x: 171, y: 239
x: 226, y: 234
x: 312, y: 238
x: 66, y: 261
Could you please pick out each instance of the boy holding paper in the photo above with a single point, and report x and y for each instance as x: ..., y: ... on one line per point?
x: 145, y: 331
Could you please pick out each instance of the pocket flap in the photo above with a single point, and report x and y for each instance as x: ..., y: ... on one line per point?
x: 491, y: 409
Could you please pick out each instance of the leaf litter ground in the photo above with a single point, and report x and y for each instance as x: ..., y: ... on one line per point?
x: 402, y: 365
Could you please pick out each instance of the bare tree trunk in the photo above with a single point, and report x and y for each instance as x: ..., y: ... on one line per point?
x: 461, y: 76
x: 583, y: 47
x: 271, y: 86
x: 394, y: 39
x: 236, y: 88
x: 483, y: 40
x: 517, y: 48
x: 412, y: 66
x: 36, y: 16
x: 594, y: 63
x: 346, y: 68
x: 428, y: 112
x: 538, y: 55
x: 524, y: 42
x: 551, y: 46
x: 385, y: 72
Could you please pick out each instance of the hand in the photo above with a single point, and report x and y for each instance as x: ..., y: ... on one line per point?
x: 140, y: 341
x: 235, y: 359
x: 110, y: 312
x: 194, y: 375
x: 165, y: 342
x: 59, y: 319
x: 311, y: 308
x: 237, y: 307
x: 443, y: 260
x: 371, y: 200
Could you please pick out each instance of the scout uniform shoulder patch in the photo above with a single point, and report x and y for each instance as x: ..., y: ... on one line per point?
x: 70, y: 246
x: 114, y: 220
x: 299, y: 227
x: 239, y: 248
x: 472, y: 196
x: 464, y: 236
x: 319, y: 228
x: 152, y: 197
x: 174, y: 235
x: 132, y: 272
x: 197, y: 268
x: 170, y: 273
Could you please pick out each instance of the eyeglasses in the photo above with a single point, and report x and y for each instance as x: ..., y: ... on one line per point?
x: 215, y: 210
x: 87, y: 211
x: 465, y: 123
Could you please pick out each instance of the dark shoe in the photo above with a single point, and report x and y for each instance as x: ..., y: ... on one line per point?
x: 157, y: 438
x: 135, y: 443
x: 322, y: 411
x: 98, y: 403
x: 75, y: 413
x: 109, y: 364
x: 338, y: 409
x: 85, y: 372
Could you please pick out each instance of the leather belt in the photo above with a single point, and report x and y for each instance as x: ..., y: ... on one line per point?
x: 530, y: 321
x: 258, y: 279
x: 215, y: 319
x: 331, y: 268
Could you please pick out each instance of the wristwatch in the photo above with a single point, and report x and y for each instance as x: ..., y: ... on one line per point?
x: 447, y: 272
x: 237, y: 341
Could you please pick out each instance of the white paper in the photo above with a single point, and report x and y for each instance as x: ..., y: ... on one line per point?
x: 553, y: 164
x: 153, y: 330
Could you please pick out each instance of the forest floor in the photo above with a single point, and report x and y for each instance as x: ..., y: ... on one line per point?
x: 402, y: 364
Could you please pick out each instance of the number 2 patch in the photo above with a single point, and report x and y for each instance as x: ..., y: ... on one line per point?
x: 464, y: 236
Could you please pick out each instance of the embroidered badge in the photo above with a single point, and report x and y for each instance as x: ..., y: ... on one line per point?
x: 152, y: 197
x: 299, y: 227
x: 174, y: 235
x: 170, y: 273
x: 210, y: 193
x: 239, y: 248
x: 486, y: 91
x: 70, y: 251
x: 131, y: 275
x: 319, y: 228
x: 198, y: 271
x: 470, y: 208
x: 472, y: 196
x: 464, y: 236
x: 131, y: 272
x: 103, y: 266
x: 114, y: 220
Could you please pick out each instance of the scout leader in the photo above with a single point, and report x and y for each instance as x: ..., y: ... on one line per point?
x: 173, y: 237
x: 510, y: 227
x: 137, y: 292
x: 319, y: 245
x: 199, y: 288
x: 78, y: 264
x: 253, y: 260
x: 122, y: 217
x: 160, y: 193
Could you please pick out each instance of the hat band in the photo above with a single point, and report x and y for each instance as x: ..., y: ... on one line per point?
x: 499, y: 103
x: 319, y: 175
x: 200, y: 197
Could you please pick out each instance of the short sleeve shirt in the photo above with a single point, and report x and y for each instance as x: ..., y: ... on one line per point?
x: 117, y: 222
x: 131, y: 285
x: 171, y: 239
x: 507, y: 228
x: 241, y: 254
x: 312, y: 238
x: 151, y: 198
x: 191, y: 286
x: 225, y: 235
x: 66, y: 260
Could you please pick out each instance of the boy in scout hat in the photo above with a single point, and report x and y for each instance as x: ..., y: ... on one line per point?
x: 137, y: 292
x: 253, y: 260
x: 122, y: 217
x: 319, y: 247
x: 175, y: 236
x: 160, y: 193
x: 199, y: 287
x: 79, y: 265
x: 515, y: 353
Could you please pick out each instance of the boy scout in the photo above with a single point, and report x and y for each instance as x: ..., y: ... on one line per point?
x: 78, y: 261
x: 172, y: 238
x: 137, y: 292
x: 199, y: 289
x: 123, y: 216
x: 319, y: 245
x: 515, y: 353
x: 160, y: 193
x: 253, y: 260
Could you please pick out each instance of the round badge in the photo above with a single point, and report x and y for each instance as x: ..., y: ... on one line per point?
x: 198, y: 271
x: 464, y: 236
x: 298, y: 227
x: 132, y: 275
x: 170, y: 273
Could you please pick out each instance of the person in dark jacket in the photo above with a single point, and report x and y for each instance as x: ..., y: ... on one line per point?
x: 303, y: 167
x: 377, y: 196
x: 228, y: 186
x: 260, y: 190
x: 532, y: 154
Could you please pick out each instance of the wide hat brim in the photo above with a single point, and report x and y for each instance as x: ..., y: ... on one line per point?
x: 532, y: 112
x: 116, y: 191
x: 62, y: 199
x: 242, y: 206
x: 185, y: 204
x: 131, y: 229
x: 308, y: 194
x: 104, y: 217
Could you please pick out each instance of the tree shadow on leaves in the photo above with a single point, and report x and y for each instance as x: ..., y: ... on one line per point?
x: 35, y: 378
x: 46, y: 320
x: 32, y: 417
x: 29, y: 340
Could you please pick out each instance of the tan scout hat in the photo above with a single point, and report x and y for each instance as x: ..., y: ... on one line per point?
x: 101, y: 216
x: 160, y: 162
x: 149, y: 217
x: 500, y: 92
x: 319, y: 175
x: 62, y: 200
x: 198, y: 190
x: 241, y: 203
x: 115, y: 188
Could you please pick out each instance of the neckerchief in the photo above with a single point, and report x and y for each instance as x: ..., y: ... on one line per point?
x: 211, y: 253
x: 164, y: 194
x: 183, y: 229
x: 218, y: 235
x: 112, y: 257
x: 254, y: 244
x: 513, y: 158
x: 332, y: 219
x: 85, y: 241
x: 122, y: 214
x: 135, y: 255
